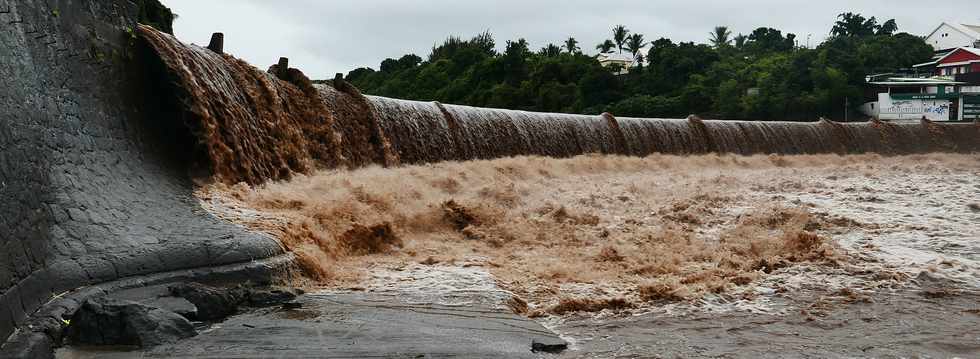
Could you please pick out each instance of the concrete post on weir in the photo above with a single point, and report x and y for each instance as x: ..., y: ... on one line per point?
x: 343, y: 86
x: 217, y: 43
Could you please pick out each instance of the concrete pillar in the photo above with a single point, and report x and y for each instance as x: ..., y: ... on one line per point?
x: 282, y: 68
x: 217, y: 43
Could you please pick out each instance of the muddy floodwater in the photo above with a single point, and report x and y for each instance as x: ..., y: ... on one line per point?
x: 715, y: 256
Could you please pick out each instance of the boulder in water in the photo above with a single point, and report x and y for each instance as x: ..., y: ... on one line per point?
x: 552, y: 346
x: 268, y: 298
x: 105, y: 321
x: 212, y: 303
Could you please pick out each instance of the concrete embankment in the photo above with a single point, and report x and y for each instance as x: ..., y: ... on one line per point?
x: 94, y: 188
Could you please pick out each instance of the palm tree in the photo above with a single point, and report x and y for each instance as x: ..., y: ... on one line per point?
x: 606, y: 47
x: 571, y: 45
x: 740, y: 41
x: 720, y: 37
x: 635, y: 43
x: 620, y: 33
x: 551, y: 50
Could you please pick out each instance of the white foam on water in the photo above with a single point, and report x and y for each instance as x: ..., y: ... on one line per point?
x: 925, y: 224
x: 457, y: 286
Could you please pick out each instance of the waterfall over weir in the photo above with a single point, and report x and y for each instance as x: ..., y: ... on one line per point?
x: 259, y: 125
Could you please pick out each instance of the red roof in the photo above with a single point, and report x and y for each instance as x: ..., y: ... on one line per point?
x: 961, y: 55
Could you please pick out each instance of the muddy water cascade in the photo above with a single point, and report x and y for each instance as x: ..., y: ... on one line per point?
x: 257, y: 125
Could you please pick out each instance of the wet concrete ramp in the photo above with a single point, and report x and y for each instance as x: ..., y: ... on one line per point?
x: 361, y: 325
x: 93, y: 187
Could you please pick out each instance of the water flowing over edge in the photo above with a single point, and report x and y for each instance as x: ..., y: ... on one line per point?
x: 257, y: 125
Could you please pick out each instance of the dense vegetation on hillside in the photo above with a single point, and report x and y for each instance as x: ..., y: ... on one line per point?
x: 788, y: 82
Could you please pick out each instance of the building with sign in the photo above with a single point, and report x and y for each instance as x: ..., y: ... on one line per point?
x: 946, y: 89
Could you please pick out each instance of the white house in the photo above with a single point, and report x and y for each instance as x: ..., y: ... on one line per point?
x: 624, y: 61
x: 951, y: 35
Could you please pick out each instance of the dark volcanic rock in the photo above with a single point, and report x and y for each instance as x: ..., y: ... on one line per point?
x: 217, y: 303
x: 268, y: 298
x: 105, y: 321
x: 554, y: 346
x: 174, y: 304
x: 212, y: 303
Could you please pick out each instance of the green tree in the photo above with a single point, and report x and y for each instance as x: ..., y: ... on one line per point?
x: 598, y: 87
x: 727, y: 101
x: 635, y: 43
x: 606, y: 47
x: 482, y: 43
x: 571, y: 45
x: 648, y: 106
x: 767, y: 39
x: 405, y: 62
x: 850, y: 24
x: 620, y: 34
x: 888, y: 28
x: 788, y: 83
x: 740, y: 41
x: 551, y: 50
x: 720, y: 37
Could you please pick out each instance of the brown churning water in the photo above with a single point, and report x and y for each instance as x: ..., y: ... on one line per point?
x: 258, y: 126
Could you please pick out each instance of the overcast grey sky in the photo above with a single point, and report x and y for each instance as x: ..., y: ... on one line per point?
x: 322, y: 37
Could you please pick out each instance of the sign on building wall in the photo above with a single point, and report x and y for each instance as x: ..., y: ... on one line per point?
x: 971, y: 108
x: 913, y: 109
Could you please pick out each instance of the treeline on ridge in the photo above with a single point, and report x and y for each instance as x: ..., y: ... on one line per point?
x: 764, y: 75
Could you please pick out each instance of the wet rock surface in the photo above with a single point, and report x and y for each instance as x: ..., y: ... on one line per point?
x: 211, y: 303
x: 437, y: 312
x: 359, y: 325
x: 177, y: 305
x: 106, y: 321
x: 888, y: 325
x: 216, y: 303
x: 268, y: 298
